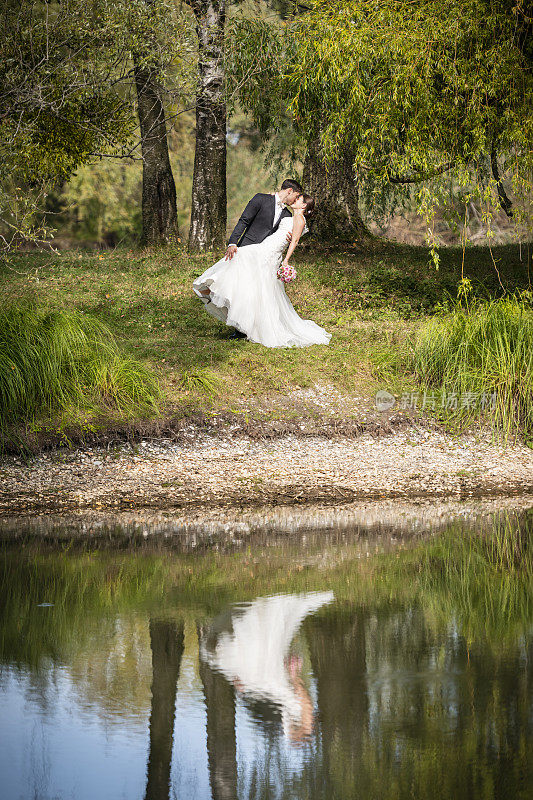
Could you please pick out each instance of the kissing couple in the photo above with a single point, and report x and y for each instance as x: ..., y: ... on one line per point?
x: 243, y: 288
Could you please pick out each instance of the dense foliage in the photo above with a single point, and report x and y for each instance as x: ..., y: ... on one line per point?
x: 420, y: 100
x: 419, y: 104
x: 419, y: 89
x: 67, y: 96
x: 58, y: 101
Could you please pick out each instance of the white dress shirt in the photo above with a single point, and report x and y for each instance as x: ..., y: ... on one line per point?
x: 278, y: 207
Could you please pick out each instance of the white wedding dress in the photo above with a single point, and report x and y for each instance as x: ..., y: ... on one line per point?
x: 253, y: 654
x: 246, y: 294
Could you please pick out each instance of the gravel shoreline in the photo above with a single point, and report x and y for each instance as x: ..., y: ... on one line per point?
x: 220, y: 471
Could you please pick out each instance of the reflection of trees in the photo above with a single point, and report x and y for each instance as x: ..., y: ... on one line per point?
x: 108, y: 667
x: 405, y: 707
x: 112, y: 670
x: 337, y: 646
x: 429, y: 693
x: 221, y: 738
x: 167, y: 642
x: 404, y: 675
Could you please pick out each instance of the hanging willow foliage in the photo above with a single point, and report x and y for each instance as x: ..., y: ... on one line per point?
x: 421, y: 89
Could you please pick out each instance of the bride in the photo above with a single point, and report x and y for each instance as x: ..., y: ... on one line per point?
x: 253, y: 652
x: 246, y: 293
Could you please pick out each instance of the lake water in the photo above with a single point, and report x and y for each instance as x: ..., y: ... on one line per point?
x: 382, y: 661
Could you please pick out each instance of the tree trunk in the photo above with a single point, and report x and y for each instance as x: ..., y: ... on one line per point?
x: 337, y: 647
x: 159, y: 214
x: 208, y: 209
x: 221, y: 738
x: 167, y: 649
x: 336, y: 195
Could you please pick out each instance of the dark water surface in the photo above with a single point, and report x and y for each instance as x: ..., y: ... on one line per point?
x: 340, y: 663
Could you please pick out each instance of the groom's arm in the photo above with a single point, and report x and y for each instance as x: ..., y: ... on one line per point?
x: 245, y: 220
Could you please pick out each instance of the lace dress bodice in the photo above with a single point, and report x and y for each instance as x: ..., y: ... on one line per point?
x: 277, y: 242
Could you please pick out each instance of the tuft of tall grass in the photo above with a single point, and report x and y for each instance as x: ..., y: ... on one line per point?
x: 202, y: 379
x: 482, y: 352
x: 55, y: 358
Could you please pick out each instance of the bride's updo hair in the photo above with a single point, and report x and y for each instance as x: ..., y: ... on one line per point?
x: 310, y: 203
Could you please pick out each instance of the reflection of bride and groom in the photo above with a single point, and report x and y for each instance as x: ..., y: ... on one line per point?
x: 251, y: 648
x: 248, y: 653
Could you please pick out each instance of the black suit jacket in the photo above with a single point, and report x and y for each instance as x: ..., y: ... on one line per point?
x: 257, y: 221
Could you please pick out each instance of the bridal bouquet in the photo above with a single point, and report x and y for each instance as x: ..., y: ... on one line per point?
x: 286, y: 273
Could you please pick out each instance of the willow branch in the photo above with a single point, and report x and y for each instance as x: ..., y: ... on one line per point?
x: 505, y: 203
x: 419, y: 178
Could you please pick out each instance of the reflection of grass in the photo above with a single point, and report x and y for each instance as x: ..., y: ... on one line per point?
x: 483, y: 580
x: 81, y: 588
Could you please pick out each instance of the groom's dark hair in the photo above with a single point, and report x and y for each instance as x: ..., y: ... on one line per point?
x: 290, y: 184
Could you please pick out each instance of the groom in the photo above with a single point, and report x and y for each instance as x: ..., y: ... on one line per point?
x: 262, y: 216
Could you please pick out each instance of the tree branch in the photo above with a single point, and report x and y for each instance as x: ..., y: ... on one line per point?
x: 419, y: 178
x: 505, y: 203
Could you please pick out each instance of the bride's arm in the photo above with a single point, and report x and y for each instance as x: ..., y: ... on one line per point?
x: 297, y: 227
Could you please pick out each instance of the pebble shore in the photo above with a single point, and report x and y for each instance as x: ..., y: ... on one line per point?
x: 221, y: 470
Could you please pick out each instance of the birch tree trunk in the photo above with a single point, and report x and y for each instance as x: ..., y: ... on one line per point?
x: 208, y: 207
x: 336, y: 195
x: 159, y: 213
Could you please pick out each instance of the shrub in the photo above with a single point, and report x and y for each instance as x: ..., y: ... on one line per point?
x: 53, y: 358
x: 486, y: 348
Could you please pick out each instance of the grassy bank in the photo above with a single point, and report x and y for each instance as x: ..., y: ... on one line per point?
x: 372, y: 300
x: 481, y: 353
x: 59, y: 360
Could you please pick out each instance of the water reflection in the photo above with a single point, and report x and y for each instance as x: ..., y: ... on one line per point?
x: 221, y: 737
x: 166, y: 640
x: 251, y: 647
x: 404, y: 675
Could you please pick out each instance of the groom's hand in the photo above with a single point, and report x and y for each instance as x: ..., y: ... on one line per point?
x: 289, y: 237
x: 230, y: 252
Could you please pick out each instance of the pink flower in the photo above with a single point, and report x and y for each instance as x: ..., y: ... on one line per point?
x: 286, y: 273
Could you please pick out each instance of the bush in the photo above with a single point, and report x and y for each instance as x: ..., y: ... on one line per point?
x: 51, y: 359
x: 485, y: 348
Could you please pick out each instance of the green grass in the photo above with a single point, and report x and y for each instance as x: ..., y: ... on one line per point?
x: 57, y: 359
x: 372, y: 300
x: 484, y: 347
